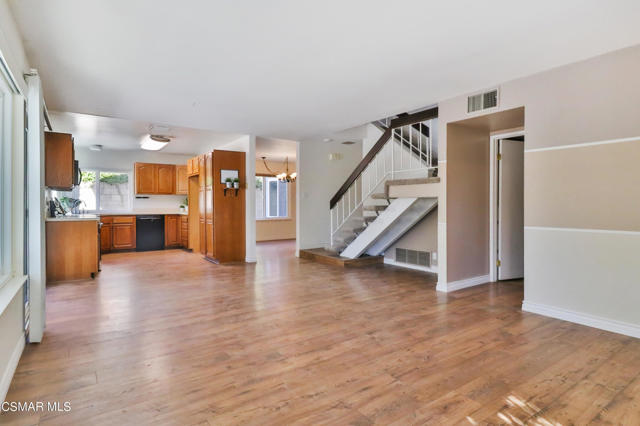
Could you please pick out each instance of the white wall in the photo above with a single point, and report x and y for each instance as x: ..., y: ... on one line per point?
x: 118, y: 160
x: 573, y: 269
x: 318, y: 180
x: 11, y: 312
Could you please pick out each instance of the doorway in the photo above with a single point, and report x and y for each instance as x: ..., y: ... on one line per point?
x: 507, y: 207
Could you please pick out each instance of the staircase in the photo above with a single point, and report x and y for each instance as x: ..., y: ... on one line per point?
x: 365, y: 218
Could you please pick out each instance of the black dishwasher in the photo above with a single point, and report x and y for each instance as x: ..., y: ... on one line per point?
x: 149, y: 232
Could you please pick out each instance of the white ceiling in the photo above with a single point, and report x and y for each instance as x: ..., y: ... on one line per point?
x: 275, y: 149
x: 118, y: 134
x: 293, y: 69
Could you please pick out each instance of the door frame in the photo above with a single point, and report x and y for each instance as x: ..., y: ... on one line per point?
x: 493, y: 198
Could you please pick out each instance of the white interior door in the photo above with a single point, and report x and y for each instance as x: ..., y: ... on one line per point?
x: 510, y: 209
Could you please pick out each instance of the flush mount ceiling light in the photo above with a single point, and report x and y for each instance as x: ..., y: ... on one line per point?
x: 348, y: 143
x: 157, y: 138
x: 96, y: 147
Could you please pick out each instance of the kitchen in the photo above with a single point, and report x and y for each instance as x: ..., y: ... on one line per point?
x: 109, y: 189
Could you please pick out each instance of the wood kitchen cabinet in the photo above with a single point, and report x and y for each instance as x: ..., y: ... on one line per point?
x: 193, y: 166
x: 184, y: 231
x: 117, y: 233
x: 146, y: 178
x: 182, y: 180
x: 59, y: 154
x: 166, y: 178
x: 201, y: 202
x: 72, y: 249
x: 172, y: 230
x: 105, y: 238
x: 153, y: 178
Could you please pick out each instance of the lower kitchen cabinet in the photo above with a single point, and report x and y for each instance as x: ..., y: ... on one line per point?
x: 72, y: 249
x: 117, y: 233
x: 184, y: 231
x: 172, y: 230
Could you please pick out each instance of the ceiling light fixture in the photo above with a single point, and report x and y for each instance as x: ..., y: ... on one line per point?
x: 96, y: 147
x: 284, y: 176
x: 154, y: 142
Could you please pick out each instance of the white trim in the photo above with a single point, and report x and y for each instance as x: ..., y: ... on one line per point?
x: 493, y: 199
x: 614, y: 326
x: 593, y: 231
x: 9, y: 290
x: 583, y: 145
x: 410, y: 266
x: 7, y: 374
x: 250, y: 259
x: 459, y: 285
x: 442, y: 161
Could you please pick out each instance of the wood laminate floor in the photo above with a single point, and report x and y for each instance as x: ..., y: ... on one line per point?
x: 167, y: 338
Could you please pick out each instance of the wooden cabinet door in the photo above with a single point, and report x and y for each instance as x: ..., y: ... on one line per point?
x: 166, y: 175
x: 123, y: 236
x: 201, y: 207
x: 196, y: 165
x: 208, y: 173
x: 146, y: 178
x: 171, y: 230
x: 105, y: 238
x: 201, y: 171
x: 59, y: 156
x: 189, y: 166
x: 182, y: 180
x: 184, y: 231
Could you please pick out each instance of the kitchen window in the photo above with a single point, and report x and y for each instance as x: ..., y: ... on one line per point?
x: 272, y: 198
x: 100, y: 191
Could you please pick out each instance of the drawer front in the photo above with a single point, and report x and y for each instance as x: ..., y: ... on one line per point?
x: 106, y: 219
x: 124, y: 219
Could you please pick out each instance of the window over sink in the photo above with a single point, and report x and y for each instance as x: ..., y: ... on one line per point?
x: 100, y: 191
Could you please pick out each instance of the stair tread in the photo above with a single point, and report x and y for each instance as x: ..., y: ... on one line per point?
x: 415, y: 181
x: 374, y: 208
x: 381, y: 196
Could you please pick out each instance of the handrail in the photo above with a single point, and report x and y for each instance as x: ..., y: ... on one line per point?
x: 395, y: 123
x: 360, y: 168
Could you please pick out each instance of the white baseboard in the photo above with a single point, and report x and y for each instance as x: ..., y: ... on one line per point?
x: 410, y: 266
x: 7, y: 374
x: 459, y: 285
x: 589, y: 320
x: 250, y: 259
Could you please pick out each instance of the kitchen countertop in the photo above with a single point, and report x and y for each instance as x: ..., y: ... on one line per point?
x: 76, y: 217
x: 143, y: 212
x: 73, y: 218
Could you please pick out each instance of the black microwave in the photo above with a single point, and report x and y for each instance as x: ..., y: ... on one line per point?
x: 77, y: 174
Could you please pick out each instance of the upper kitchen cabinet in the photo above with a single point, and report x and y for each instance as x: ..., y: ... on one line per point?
x: 59, y: 170
x: 166, y: 178
x: 146, y: 178
x: 155, y: 178
x: 182, y: 179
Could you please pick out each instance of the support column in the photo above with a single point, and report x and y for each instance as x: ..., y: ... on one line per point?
x: 250, y: 213
x: 36, y: 205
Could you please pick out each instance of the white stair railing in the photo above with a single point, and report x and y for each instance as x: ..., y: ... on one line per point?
x: 408, y: 149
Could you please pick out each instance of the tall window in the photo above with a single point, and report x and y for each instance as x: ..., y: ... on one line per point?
x: 272, y: 198
x: 99, y: 190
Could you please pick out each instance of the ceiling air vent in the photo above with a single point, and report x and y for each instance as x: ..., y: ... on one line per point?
x: 482, y: 101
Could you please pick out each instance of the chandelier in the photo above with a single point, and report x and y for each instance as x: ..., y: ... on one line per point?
x: 284, y: 176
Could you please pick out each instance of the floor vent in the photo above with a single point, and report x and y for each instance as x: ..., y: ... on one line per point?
x: 413, y: 257
x: 482, y: 101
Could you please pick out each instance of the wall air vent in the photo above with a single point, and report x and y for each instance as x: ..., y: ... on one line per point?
x: 413, y: 257
x: 482, y: 101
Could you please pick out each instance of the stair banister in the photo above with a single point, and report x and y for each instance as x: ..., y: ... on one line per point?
x: 377, y: 157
